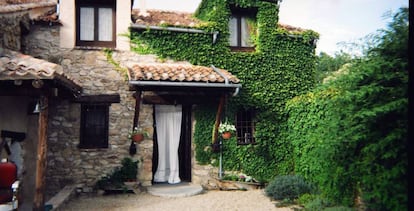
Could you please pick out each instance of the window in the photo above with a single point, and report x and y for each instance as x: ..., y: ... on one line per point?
x: 242, y: 28
x: 94, y: 126
x: 95, y: 23
x: 245, y: 125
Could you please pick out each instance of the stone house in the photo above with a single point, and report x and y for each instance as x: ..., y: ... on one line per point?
x: 96, y: 89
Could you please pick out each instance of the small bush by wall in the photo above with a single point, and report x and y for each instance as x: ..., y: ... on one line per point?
x: 287, y: 187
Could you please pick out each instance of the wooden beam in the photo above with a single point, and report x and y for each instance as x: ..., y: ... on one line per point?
x: 137, y: 108
x: 109, y: 98
x: 218, y: 117
x: 39, y: 199
x: 180, y: 99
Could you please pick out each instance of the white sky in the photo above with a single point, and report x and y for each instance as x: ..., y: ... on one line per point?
x: 335, y: 20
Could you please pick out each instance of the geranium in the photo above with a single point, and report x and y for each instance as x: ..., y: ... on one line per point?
x: 135, y: 131
x: 226, y: 127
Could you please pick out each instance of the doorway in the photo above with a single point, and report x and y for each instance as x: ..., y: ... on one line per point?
x: 166, y: 150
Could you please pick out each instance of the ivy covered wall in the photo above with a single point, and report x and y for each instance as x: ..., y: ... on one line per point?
x: 281, y: 67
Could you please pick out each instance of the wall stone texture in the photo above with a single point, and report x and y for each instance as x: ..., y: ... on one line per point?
x: 66, y: 163
x: 12, y: 25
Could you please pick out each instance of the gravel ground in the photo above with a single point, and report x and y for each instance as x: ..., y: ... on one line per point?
x: 210, y: 200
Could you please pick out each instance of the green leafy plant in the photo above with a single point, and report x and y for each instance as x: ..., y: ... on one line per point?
x: 127, y: 172
x: 226, y: 127
x: 281, y: 67
x: 288, y: 187
x: 349, y: 134
x: 136, y: 131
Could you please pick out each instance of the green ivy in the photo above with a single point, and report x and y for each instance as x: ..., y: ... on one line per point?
x: 282, y: 67
x: 349, y: 134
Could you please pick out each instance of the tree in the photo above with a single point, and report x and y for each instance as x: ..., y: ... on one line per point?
x: 327, y: 64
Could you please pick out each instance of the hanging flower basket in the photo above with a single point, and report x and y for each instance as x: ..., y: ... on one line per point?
x: 226, y: 135
x: 137, y: 135
x: 226, y: 129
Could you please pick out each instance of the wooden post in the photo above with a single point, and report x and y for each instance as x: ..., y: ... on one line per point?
x: 218, y: 117
x: 137, y: 108
x: 41, y: 155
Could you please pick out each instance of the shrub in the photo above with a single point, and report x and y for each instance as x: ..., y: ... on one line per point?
x: 127, y: 172
x: 287, y: 187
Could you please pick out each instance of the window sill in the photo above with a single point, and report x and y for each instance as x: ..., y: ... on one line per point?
x: 96, y: 48
x: 242, y: 49
x: 92, y: 149
x: 246, y: 143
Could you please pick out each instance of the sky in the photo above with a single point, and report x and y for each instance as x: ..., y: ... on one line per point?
x: 337, y: 21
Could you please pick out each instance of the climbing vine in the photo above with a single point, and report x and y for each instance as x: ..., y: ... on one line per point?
x: 282, y: 66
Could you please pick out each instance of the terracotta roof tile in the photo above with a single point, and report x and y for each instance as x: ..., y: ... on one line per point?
x: 17, y: 66
x: 179, y: 73
x: 173, y: 18
x: 10, y: 6
x: 159, y: 17
x: 290, y: 28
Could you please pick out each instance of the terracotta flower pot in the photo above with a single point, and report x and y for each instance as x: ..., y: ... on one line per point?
x: 138, y: 137
x: 226, y: 135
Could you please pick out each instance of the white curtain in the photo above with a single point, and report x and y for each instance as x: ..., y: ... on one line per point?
x: 168, y: 120
x: 105, y: 24
x: 86, y: 23
x: 233, y: 31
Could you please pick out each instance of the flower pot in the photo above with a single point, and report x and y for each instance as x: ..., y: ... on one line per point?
x: 138, y: 137
x: 226, y: 135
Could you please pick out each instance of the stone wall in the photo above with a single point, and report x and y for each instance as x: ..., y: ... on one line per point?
x: 11, y: 25
x: 67, y: 164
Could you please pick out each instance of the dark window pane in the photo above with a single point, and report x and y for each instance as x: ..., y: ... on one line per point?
x: 94, y: 126
x: 245, y: 126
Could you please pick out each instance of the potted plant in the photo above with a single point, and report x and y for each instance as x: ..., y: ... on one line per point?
x: 137, y: 135
x: 226, y: 129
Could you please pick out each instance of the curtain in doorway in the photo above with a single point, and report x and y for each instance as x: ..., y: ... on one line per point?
x: 168, y: 122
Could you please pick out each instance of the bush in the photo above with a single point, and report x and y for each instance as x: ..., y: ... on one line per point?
x: 127, y: 172
x: 287, y: 187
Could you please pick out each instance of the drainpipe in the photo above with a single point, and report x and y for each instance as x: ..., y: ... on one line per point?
x: 226, y: 80
x: 176, y: 29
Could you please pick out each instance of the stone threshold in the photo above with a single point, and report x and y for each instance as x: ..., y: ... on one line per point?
x: 61, y: 198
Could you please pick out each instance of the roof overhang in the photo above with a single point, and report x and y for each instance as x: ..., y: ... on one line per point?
x: 25, y: 75
x: 183, y: 80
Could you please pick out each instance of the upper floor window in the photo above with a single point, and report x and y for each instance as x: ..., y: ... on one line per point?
x: 245, y: 126
x: 94, y: 126
x: 243, y: 29
x: 95, y: 23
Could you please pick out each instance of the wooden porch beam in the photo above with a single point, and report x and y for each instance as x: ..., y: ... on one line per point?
x: 218, y: 117
x: 41, y: 155
x: 137, y: 108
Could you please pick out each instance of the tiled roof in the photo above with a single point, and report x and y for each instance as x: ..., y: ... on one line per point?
x: 158, y: 17
x: 17, y: 66
x: 20, y: 5
x: 172, y: 18
x: 178, y: 73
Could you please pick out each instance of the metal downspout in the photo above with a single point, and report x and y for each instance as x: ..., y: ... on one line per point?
x: 226, y: 80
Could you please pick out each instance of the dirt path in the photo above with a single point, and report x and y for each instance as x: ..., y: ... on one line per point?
x: 211, y: 200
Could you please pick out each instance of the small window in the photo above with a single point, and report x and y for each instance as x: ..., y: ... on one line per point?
x: 242, y: 28
x: 245, y: 126
x: 94, y: 126
x: 95, y: 23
